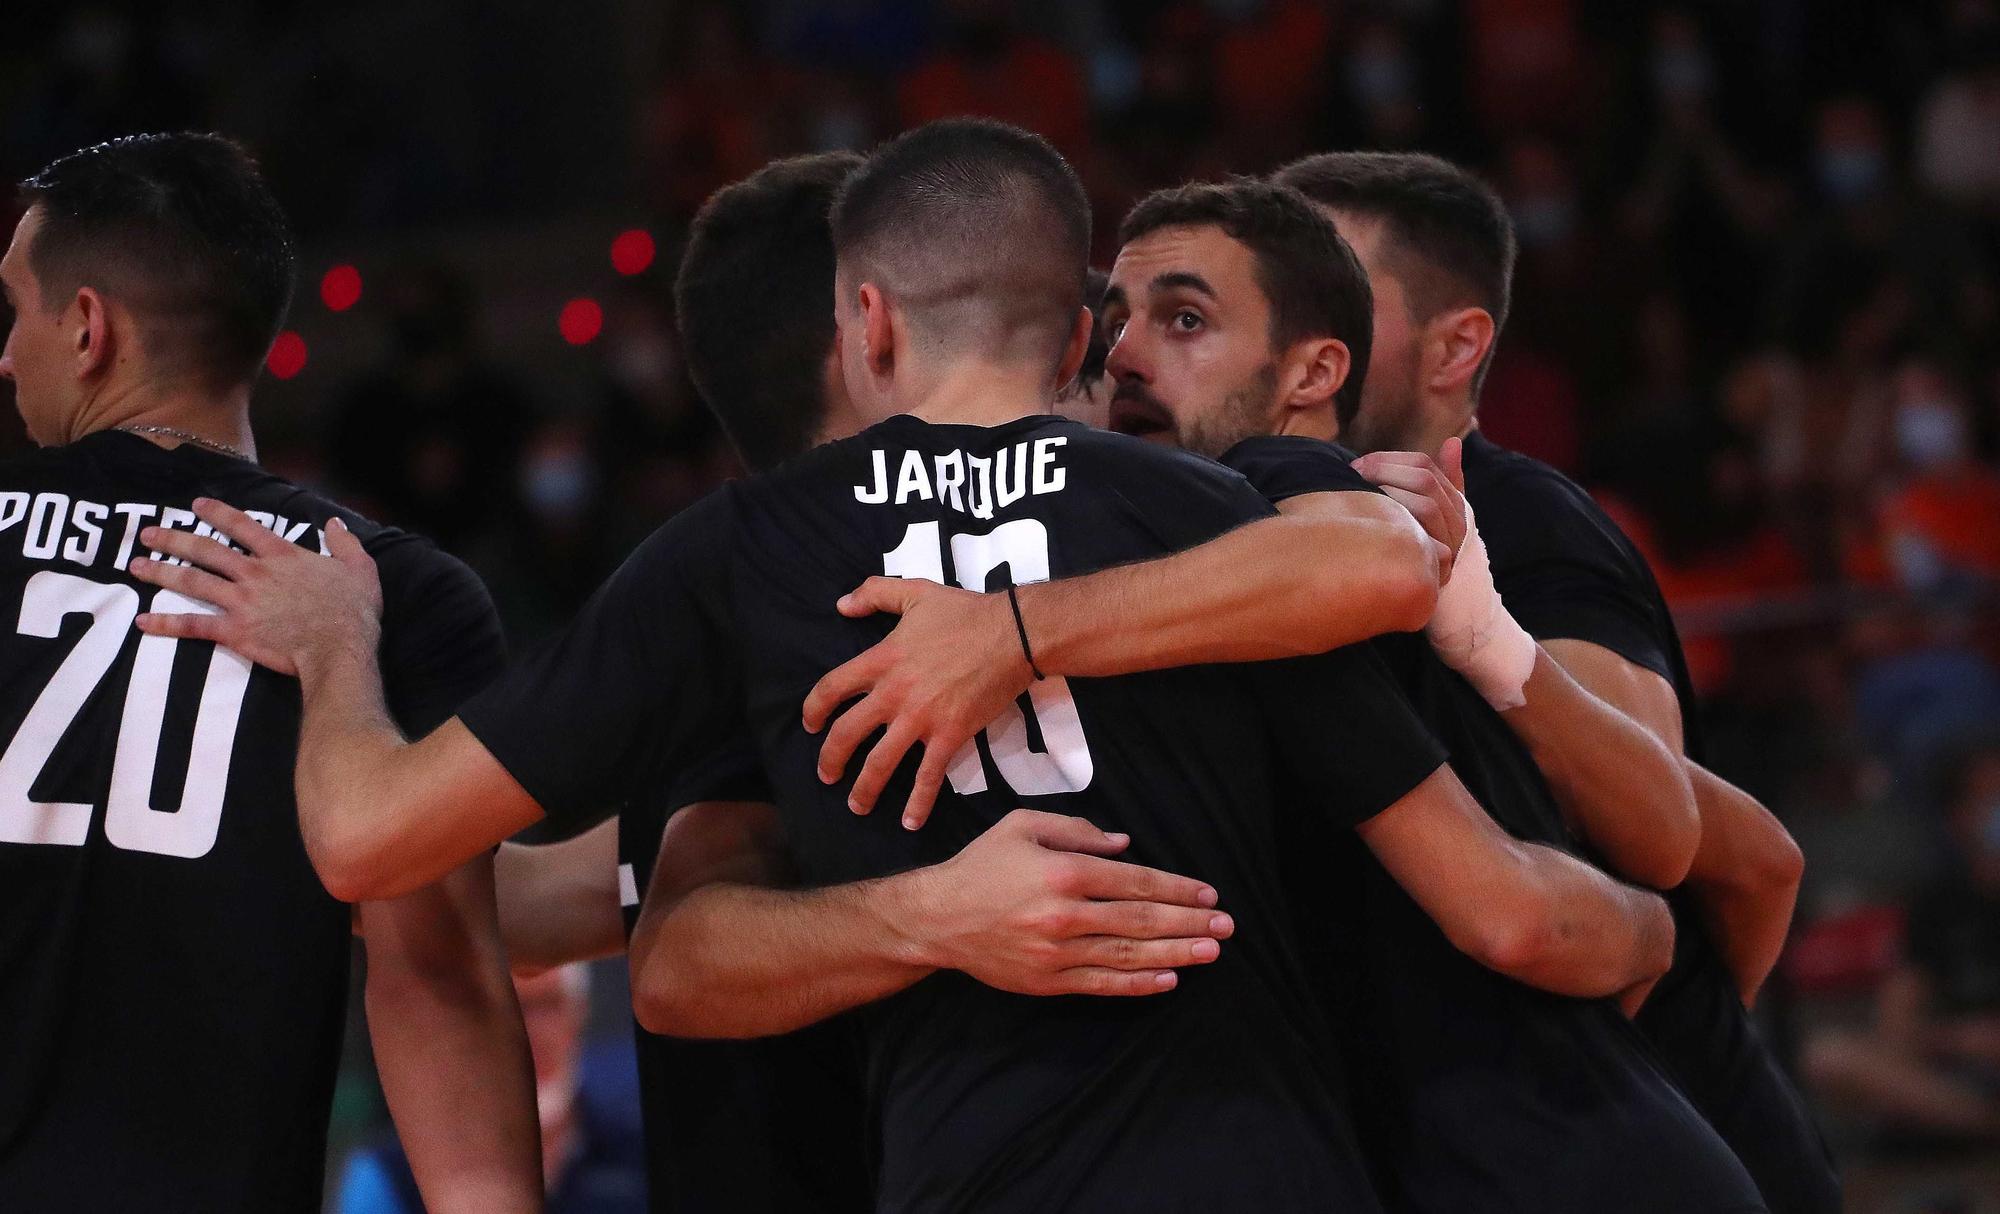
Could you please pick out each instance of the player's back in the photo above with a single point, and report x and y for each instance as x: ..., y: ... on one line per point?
x: 176, y: 974
x: 1219, y: 1094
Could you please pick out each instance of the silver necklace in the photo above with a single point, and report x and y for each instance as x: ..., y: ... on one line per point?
x: 186, y: 437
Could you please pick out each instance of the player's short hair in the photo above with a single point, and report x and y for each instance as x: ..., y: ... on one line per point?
x: 1451, y: 241
x: 1310, y: 277
x: 181, y: 229
x: 754, y: 297
x: 981, y: 232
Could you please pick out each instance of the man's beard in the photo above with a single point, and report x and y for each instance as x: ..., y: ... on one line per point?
x: 1244, y: 413
x: 1389, y: 419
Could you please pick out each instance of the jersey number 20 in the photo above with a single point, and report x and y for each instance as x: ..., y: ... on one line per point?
x: 1062, y: 763
x: 130, y: 821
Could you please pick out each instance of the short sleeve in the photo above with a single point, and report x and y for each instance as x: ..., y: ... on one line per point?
x: 1282, y: 466
x: 1566, y: 572
x: 734, y: 772
x: 1347, y: 735
x: 441, y: 637
x: 1175, y: 497
x: 642, y: 683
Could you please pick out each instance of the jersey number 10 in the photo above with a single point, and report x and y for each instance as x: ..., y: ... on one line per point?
x: 1062, y: 762
x: 130, y: 821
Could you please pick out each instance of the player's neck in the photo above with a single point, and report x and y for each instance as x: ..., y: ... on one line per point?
x: 981, y: 394
x: 1443, y: 420
x: 169, y: 414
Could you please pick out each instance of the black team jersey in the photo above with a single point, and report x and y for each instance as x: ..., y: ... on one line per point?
x: 1222, y: 1094
x: 1566, y: 571
x: 1482, y: 1093
x: 774, y: 1125
x: 175, y: 976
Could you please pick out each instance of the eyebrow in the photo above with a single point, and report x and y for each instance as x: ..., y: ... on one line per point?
x: 1183, y: 278
x: 1114, y: 296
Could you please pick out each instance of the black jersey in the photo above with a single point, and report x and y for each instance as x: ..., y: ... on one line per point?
x: 1218, y: 1095
x: 774, y: 1125
x: 1565, y: 570
x: 1484, y: 1093
x: 175, y: 974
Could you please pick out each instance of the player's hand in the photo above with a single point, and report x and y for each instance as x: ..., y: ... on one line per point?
x: 951, y: 666
x: 1433, y: 491
x: 276, y: 603
x: 1634, y: 997
x: 1034, y: 906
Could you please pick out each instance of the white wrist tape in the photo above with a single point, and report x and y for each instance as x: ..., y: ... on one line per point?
x: 1472, y: 631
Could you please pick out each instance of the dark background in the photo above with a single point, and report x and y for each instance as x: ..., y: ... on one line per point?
x: 1755, y: 312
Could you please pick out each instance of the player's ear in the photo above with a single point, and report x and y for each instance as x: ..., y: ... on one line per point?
x: 878, y: 330
x: 1319, y: 367
x: 1308, y: 377
x: 1459, y: 339
x: 1078, y: 347
x: 91, y: 333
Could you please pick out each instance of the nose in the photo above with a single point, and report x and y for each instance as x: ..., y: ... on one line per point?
x: 1126, y: 359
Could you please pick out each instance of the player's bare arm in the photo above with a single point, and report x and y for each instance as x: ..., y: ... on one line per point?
x: 1618, y: 785
x: 1035, y: 905
x: 559, y: 901
x: 1746, y: 872
x: 447, y: 1037
x: 1265, y: 590
x: 381, y: 816
x: 1536, y: 914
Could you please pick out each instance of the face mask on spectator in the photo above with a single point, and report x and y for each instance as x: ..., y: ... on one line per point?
x: 557, y: 486
x: 1544, y: 219
x: 1929, y: 434
x: 1850, y: 174
x: 1682, y: 73
x: 1379, y: 76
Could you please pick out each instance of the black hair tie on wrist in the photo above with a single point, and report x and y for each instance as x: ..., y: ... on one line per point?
x: 1014, y: 601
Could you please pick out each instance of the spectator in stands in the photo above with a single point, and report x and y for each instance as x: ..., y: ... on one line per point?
x: 1939, y: 523
x: 1931, y: 1061
x: 591, y: 1148
x: 431, y: 439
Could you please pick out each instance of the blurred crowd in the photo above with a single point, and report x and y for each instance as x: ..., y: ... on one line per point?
x: 1756, y: 312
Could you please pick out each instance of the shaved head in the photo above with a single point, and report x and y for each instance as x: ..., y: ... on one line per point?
x: 980, y: 233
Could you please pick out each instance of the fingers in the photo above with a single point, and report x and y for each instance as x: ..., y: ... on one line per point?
x: 345, y: 546
x: 198, y: 549
x: 841, y: 684
x: 846, y: 737
x: 183, y: 579
x: 883, y: 759
x: 1415, y: 478
x: 1097, y: 980
x: 1152, y: 921
x: 930, y: 782
x: 1114, y: 880
x: 1119, y: 953
x: 1451, y: 458
x: 245, y: 531
x: 1065, y: 832
x: 892, y: 594
x: 185, y: 625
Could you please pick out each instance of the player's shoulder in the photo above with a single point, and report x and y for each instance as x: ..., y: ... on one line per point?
x: 1289, y: 465
x: 1521, y: 495
x: 1494, y: 468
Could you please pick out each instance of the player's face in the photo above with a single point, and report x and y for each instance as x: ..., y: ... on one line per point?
x: 1190, y: 332
x: 1390, y: 400
x: 34, y: 358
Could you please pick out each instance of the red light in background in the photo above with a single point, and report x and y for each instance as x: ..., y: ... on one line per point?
x: 288, y: 355
x: 340, y: 288
x: 632, y: 252
x: 581, y: 321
